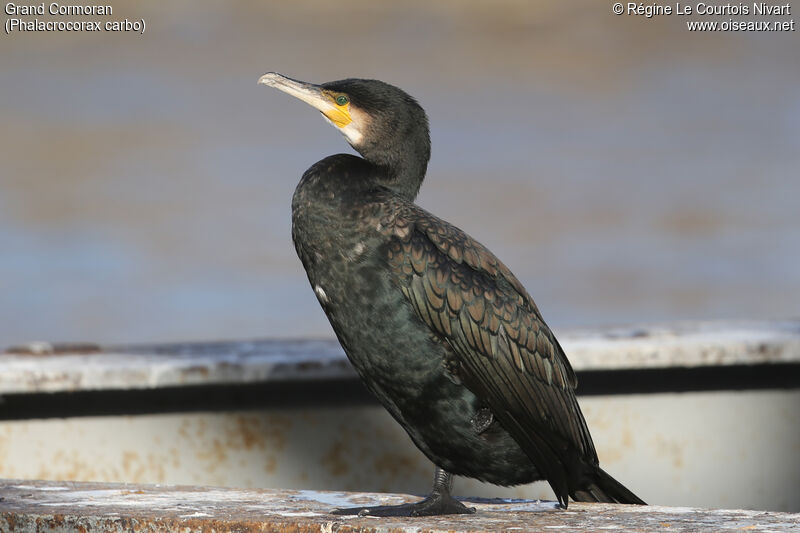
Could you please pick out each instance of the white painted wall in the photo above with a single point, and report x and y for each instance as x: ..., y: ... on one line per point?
x: 718, y: 449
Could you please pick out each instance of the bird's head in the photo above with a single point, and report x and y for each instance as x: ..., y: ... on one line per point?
x: 383, y: 123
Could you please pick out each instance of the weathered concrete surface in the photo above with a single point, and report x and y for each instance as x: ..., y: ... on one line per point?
x: 68, y: 507
x: 44, y: 367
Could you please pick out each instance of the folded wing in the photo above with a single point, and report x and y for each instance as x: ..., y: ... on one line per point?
x: 504, y: 352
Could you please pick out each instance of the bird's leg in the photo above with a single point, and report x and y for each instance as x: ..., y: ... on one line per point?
x: 438, y: 502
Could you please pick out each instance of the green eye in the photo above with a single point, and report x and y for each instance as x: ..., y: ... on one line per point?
x: 342, y: 99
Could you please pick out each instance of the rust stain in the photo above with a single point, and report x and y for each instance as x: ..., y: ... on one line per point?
x: 136, y: 469
x: 213, y: 455
x: 175, y: 455
x: 139, y: 470
x: 271, y: 464
x: 335, y: 461
x: 247, y: 428
x: 220, y: 451
x: 279, y: 428
x: 393, y: 465
x: 183, y: 429
x: 5, y: 470
x: 671, y: 450
x: 610, y: 454
x: 627, y: 438
x: 156, y: 465
x: 201, y: 426
x: 128, y: 461
x: 248, y: 432
x: 677, y: 461
x: 68, y: 468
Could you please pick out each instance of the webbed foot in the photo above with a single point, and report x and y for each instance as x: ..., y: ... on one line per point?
x: 435, y: 504
x: 439, y: 502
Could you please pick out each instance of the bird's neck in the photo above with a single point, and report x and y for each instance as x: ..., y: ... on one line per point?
x: 406, y: 178
x: 404, y: 170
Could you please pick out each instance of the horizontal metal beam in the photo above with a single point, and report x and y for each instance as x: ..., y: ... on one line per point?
x: 336, y: 393
x: 48, y: 368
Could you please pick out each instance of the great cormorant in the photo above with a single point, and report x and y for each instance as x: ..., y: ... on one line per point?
x: 439, y: 330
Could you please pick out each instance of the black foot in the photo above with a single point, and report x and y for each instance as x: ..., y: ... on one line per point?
x: 435, y: 504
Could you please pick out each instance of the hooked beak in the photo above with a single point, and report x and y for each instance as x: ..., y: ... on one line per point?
x: 313, y: 95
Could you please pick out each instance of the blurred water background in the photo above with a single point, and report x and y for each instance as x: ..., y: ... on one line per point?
x: 624, y: 168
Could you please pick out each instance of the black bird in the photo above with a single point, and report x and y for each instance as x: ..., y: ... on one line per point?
x: 440, y: 331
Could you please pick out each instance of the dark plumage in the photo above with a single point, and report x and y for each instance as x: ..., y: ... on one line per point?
x: 437, y: 327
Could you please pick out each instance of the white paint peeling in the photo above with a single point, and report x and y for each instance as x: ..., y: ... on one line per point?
x: 329, y: 499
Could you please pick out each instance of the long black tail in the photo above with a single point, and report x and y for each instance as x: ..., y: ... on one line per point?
x: 600, y: 487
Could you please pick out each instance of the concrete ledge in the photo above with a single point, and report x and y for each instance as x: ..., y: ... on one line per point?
x: 42, y: 367
x: 61, y: 507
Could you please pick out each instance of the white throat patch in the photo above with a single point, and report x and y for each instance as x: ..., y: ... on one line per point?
x: 350, y: 132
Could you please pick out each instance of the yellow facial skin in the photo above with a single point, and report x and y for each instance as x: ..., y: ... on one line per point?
x: 338, y: 114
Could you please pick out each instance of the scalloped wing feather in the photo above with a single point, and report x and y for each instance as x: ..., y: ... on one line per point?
x: 508, y: 354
